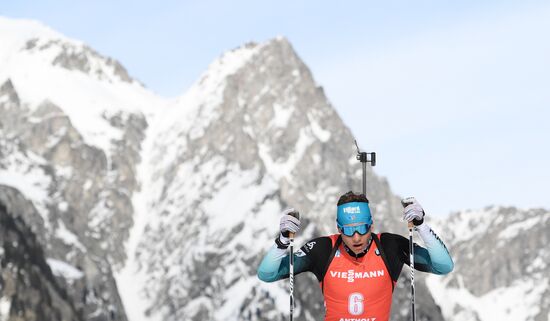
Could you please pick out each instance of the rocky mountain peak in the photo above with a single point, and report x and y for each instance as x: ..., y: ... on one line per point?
x: 8, y: 95
x: 37, y: 44
x: 78, y: 57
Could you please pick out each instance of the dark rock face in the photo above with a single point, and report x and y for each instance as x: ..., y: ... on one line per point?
x: 28, y: 287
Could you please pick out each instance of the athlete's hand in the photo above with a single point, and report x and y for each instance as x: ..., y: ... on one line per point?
x: 290, y: 223
x: 413, y: 211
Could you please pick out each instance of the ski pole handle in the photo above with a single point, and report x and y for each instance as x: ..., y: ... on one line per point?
x: 295, y: 214
x: 404, y: 203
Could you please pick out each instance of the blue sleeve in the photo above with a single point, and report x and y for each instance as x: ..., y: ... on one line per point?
x: 275, y: 264
x: 435, y: 258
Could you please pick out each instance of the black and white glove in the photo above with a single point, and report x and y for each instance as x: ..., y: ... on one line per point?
x: 413, y: 211
x: 290, y: 223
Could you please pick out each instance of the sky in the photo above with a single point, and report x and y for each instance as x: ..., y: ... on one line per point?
x: 453, y: 96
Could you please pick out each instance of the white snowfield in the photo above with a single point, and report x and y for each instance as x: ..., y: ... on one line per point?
x: 60, y: 268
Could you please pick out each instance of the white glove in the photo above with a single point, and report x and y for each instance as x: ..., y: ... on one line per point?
x: 290, y: 223
x: 413, y: 212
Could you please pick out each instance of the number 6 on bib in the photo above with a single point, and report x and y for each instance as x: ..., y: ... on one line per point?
x: 355, y: 303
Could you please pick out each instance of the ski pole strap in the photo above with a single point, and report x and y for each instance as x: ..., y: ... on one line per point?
x: 331, y: 256
x: 384, y: 258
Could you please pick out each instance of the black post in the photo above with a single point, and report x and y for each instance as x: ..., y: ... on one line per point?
x: 363, y: 157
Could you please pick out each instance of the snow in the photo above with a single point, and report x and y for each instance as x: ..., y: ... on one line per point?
x: 5, y: 306
x: 33, y: 184
x: 229, y: 63
x: 284, y: 169
x: 237, y: 293
x: 68, y: 237
x: 522, y: 299
x: 472, y: 224
x: 85, y: 99
x: 130, y: 279
x: 240, y: 193
x: 279, y: 293
x: 321, y: 134
x: 258, y: 224
x: 23, y: 172
x: 537, y: 264
x: 282, y: 115
x: 64, y: 269
x: 63, y: 206
x: 514, y: 229
x: 100, y: 213
x: 517, y: 302
x: 195, y: 305
x: 15, y: 33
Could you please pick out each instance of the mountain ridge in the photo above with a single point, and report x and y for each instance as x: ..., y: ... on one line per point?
x: 162, y: 208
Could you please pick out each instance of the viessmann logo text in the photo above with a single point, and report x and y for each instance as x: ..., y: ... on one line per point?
x: 351, y: 275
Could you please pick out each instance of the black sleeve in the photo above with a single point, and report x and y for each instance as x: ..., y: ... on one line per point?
x: 396, y: 248
x: 317, y: 251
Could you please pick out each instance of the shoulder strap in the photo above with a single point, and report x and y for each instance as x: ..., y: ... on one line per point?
x: 384, y: 258
x: 331, y: 256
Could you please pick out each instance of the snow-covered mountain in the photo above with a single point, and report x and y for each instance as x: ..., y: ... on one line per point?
x: 502, y: 265
x: 71, y: 130
x: 255, y: 134
x: 155, y: 209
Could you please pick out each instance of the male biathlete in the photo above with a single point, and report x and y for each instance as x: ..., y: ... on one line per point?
x: 357, y: 269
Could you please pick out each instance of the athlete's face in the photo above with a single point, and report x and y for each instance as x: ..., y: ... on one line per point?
x: 356, y: 242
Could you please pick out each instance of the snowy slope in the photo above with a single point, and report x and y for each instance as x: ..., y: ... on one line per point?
x: 502, y: 270
x: 188, y: 210
x: 45, y: 65
x: 23, y: 171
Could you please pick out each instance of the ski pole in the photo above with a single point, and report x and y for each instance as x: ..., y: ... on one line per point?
x: 296, y: 214
x: 411, y: 250
x: 411, y: 259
